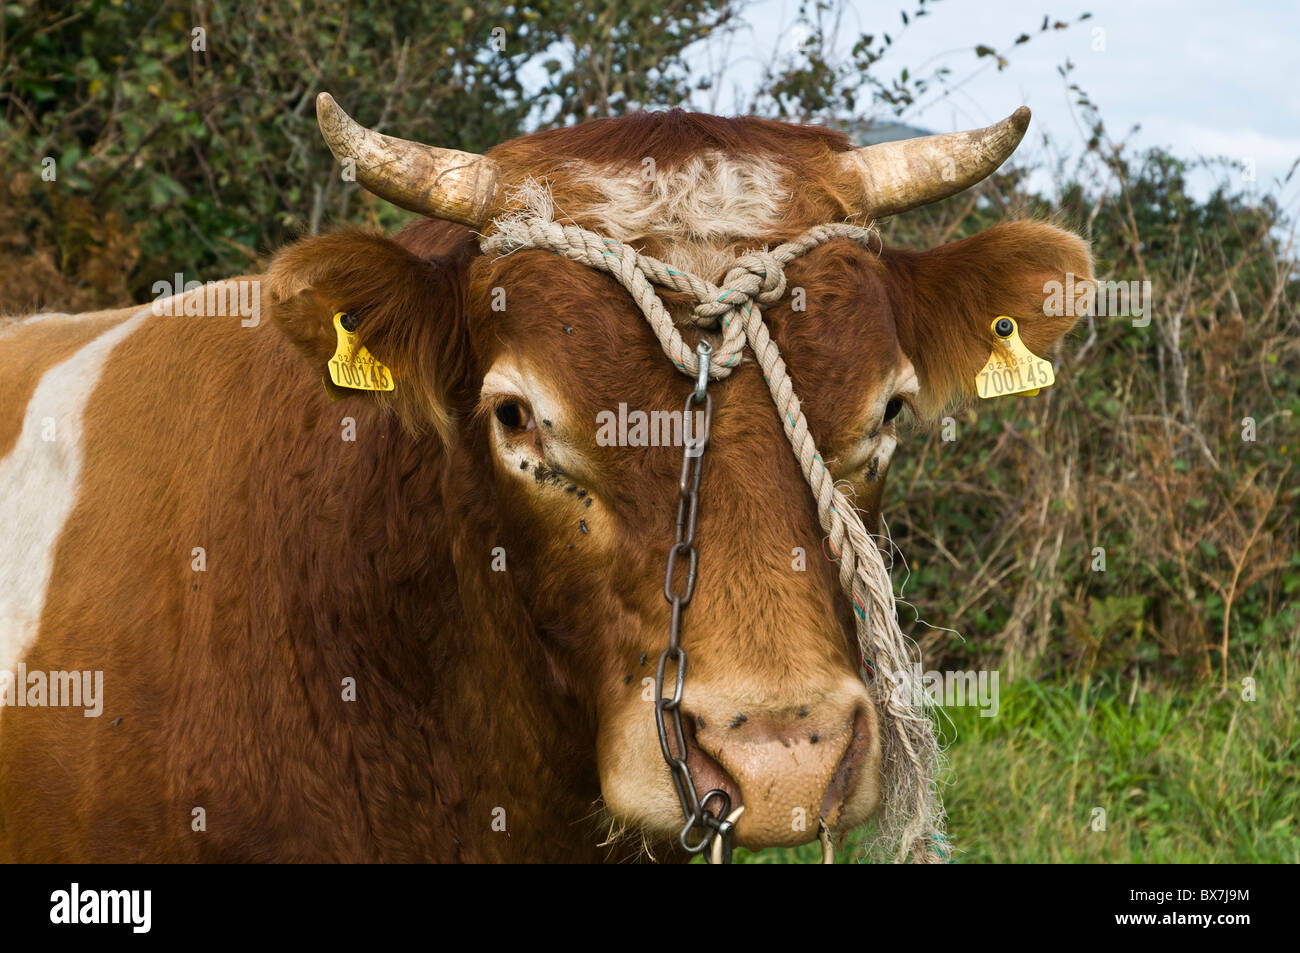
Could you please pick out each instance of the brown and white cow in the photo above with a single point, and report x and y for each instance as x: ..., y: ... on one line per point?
x: 417, y: 625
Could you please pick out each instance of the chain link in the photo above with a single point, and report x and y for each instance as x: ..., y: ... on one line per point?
x: 701, y: 823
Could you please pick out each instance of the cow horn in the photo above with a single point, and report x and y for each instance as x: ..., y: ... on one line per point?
x: 897, y: 176
x: 440, y: 183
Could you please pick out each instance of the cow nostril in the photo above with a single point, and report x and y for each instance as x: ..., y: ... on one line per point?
x: 844, y: 780
x: 706, y: 770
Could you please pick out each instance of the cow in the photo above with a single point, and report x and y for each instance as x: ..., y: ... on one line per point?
x: 311, y: 622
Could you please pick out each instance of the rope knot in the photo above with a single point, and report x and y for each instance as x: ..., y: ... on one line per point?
x: 768, y: 268
x: 759, y: 275
x: 755, y: 278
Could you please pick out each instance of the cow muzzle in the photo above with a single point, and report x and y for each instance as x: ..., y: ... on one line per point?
x: 792, y: 766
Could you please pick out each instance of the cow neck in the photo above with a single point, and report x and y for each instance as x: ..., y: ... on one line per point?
x: 387, y: 574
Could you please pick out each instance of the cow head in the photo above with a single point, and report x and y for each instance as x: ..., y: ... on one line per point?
x: 553, y: 400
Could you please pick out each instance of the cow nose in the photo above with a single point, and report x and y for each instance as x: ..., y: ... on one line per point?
x: 792, y: 765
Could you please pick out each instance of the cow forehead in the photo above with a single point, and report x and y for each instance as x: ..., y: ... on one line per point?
x: 688, y: 189
x: 693, y: 213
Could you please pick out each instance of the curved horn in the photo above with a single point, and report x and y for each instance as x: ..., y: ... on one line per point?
x: 440, y: 183
x: 897, y: 176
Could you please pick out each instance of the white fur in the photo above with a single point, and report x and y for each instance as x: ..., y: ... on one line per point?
x: 11, y: 325
x: 40, y: 481
x: 698, y: 210
x: 880, y: 442
x: 505, y: 379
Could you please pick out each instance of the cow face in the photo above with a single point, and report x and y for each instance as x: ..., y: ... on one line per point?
x: 545, y: 375
x: 558, y: 407
x: 582, y: 412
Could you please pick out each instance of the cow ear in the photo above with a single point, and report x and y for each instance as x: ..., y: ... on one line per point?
x: 408, y: 312
x: 945, y: 299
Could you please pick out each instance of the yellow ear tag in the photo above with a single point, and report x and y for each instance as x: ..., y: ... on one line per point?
x: 1012, y: 368
x: 353, y: 366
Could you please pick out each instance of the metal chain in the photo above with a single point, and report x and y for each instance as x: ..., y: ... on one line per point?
x: 712, y: 826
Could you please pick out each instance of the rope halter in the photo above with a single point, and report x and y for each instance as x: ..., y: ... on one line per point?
x: 912, y: 823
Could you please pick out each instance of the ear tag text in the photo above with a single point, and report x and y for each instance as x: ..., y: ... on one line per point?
x: 353, y: 366
x: 1012, y: 368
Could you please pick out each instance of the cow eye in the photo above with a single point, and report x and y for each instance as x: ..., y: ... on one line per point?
x: 892, y: 409
x: 513, y: 415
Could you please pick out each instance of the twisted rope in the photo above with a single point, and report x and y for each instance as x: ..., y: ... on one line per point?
x: 911, y: 760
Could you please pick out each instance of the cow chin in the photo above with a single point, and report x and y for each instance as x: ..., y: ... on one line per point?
x: 790, y: 767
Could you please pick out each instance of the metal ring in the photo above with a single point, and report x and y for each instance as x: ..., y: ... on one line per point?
x: 726, y: 803
x: 704, y: 841
x: 716, y: 855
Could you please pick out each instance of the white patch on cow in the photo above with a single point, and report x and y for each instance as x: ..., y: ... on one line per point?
x: 697, y: 210
x: 519, y: 457
x: 39, y: 484
x: 880, y: 442
x: 11, y: 325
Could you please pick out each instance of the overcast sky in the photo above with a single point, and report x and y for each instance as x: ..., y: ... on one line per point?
x: 1201, y: 78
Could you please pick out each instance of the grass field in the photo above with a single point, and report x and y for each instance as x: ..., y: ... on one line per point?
x: 1187, y: 775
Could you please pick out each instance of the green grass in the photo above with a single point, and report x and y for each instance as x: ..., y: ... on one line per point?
x: 1184, y: 775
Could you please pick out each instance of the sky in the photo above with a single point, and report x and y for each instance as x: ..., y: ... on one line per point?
x: 1200, y: 78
